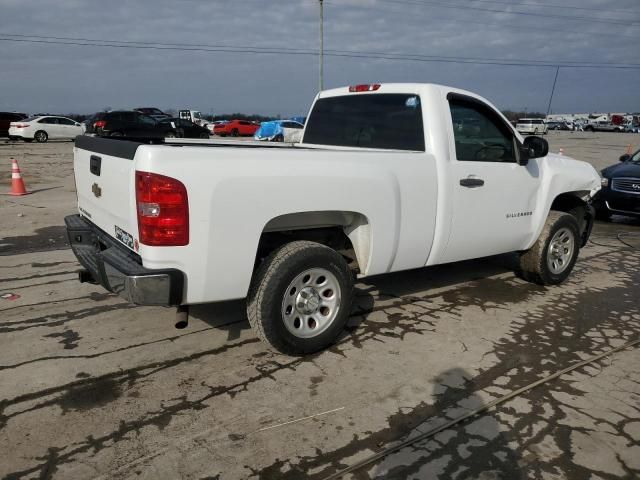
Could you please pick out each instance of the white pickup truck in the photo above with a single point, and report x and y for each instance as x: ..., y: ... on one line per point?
x: 387, y: 178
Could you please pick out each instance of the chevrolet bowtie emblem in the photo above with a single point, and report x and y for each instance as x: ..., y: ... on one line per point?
x: 97, y: 191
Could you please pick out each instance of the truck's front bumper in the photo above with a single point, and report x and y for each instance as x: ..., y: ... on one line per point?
x: 118, y: 269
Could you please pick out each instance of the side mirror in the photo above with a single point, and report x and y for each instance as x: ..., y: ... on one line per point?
x: 535, y: 147
x: 625, y: 157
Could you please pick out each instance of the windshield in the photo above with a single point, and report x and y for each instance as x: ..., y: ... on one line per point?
x: 635, y: 158
x: 390, y: 121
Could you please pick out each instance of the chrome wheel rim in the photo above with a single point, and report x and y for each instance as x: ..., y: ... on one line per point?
x: 40, y: 136
x: 311, y: 303
x: 560, y: 250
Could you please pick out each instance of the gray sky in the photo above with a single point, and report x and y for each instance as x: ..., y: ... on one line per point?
x: 41, y: 77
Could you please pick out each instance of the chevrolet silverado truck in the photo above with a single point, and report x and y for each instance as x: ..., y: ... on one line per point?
x: 387, y: 178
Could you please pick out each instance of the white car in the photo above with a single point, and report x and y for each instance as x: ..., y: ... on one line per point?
x: 388, y: 177
x: 288, y: 131
x: 44, y: 127
x: 531, y: 126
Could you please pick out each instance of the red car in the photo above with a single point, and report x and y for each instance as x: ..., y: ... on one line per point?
x: 236, y: 128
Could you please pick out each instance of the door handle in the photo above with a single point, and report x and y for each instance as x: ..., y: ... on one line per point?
x: 471, y: 182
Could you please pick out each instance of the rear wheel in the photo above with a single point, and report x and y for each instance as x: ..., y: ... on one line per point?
x: 170, y: 134
x: 234, y: 132
x: 550, y: 260
x: 115, y: 134
x: 41, y: 136
x: 204, y: 135
x: 300, y: 298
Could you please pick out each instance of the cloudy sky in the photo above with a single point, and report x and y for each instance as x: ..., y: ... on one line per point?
x: 51, y: 77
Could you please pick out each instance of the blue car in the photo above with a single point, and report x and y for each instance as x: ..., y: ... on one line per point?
x: 280, y: 131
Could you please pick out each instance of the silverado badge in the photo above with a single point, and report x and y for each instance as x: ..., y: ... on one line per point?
x: 97, y: 191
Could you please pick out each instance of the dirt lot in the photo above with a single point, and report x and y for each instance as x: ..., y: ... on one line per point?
x: 92, y: 387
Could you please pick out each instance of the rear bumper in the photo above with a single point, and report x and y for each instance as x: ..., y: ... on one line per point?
x: 118, y: 269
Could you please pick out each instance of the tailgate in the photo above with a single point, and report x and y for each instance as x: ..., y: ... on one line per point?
x: 105, y: 174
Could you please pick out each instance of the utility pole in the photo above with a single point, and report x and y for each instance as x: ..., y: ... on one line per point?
x: 321, y: 45
x: 553, y: 89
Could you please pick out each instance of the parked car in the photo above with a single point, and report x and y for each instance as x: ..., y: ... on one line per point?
x: 236, y: 128
x: 389, y: 179
x: 126, y: 123
x: 177, y: 127
x: 603, y: 126
x: 280, y: 131
x: 531, y: 126
x: 43, y: 128
x: 559, y: 125
x: 620, y: 192
x: 211, y: 125
x: 153, y: 112
x: 6, y: 118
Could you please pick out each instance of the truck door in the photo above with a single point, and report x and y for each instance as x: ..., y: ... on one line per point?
x: 493, y: 197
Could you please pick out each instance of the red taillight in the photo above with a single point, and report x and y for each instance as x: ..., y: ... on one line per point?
x: 100, y: 124
x: 364, y: 87
x: 163, y: 210
x: 19, y: 125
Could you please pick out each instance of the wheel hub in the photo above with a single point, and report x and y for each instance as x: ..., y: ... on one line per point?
x: 311, y: 302
x: 308, y: 301
x: 560, y: 251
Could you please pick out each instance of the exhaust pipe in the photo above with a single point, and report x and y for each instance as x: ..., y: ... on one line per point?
x: 182, y: 317
x: 85, y: 276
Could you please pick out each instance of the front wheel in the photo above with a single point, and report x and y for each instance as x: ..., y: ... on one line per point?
x: 550, y: 260
x: 300, y: 298
x: 234, y: 133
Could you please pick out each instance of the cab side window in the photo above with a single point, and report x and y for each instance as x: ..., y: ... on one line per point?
x: 479, y: 134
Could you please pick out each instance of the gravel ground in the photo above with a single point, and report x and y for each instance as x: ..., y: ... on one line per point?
x: 93, y: 387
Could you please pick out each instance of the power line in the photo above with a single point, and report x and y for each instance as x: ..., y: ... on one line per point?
x: 532, y: 14
x: 501, y: 25
x: 251, y: 48
x: 341, y: 54
x: 566, y: 7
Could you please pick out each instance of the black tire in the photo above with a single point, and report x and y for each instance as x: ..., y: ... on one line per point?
x: 170, y: 134
x: 41, y: 136
x: 533, y: 263
x: 204, y: 135
x: 116, y: 134
x: 278, y: 138
x: 269, y: 288
x: 234, y: 132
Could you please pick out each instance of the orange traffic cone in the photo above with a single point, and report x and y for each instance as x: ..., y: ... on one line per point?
x: 17, y: 184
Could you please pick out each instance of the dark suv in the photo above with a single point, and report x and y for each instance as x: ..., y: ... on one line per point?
x: 6, y: 118
x: 125, y: 123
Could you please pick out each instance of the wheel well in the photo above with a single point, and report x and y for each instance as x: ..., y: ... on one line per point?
x: 346, y: 232
x: 572, y: 202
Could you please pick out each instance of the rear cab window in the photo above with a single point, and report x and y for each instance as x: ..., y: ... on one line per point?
x: 380, y: 120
